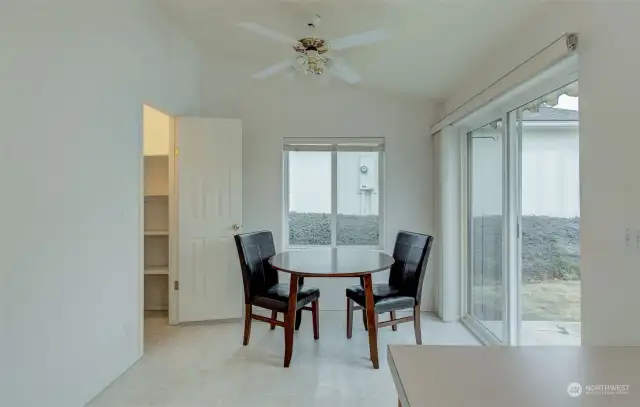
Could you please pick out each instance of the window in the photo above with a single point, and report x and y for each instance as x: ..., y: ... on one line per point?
x: 333, y: 190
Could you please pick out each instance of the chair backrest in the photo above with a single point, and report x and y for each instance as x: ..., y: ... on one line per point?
x: 254, y: 251
x: 411, y: 253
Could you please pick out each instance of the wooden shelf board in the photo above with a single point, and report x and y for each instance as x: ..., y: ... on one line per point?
x: 156, y: 270
x: 156, y: 233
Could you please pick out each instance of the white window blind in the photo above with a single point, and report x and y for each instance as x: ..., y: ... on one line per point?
x: 333, y: 144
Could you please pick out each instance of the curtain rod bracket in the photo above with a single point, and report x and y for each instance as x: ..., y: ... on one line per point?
x: 572, y: 41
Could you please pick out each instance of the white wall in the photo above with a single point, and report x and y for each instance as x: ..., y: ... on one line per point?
x: 610, y: 193
x: 273, y: 110
x: 74, y: 75
x: 156, y: 127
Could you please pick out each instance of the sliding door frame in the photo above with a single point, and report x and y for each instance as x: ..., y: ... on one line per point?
x: 505, y: 107
x: 507, y: 246
x: 513, y: 227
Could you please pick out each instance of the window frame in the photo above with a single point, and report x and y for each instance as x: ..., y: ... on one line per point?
x: 334, y: 146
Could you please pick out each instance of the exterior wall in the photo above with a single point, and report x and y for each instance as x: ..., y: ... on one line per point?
x: 310, y: 183
x: 550, y: 172
x: 486, y: 170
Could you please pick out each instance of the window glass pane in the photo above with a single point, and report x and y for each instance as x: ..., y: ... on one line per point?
x: 358, y: 192
x: 487, y: 291
x: 309, y: 198
x: 550, y: 291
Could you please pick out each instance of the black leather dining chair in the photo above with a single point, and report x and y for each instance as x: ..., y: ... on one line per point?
x: 262, y: 288
x: 404, y: 288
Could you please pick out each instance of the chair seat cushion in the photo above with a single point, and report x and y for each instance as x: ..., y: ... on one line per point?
x: 385, y: 297
x: 276, y: 298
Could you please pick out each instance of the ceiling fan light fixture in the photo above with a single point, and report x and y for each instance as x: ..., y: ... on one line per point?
x: 311, y: 52
x: 302, y: 60
x: 328, y: 63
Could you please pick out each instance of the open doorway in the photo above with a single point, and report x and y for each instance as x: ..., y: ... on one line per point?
x: 157, y: 231
x: 204, y: 174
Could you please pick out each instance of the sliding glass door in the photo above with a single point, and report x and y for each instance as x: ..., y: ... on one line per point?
x: 523, y: 223
x: 549, y: 289
x: 486, y: 295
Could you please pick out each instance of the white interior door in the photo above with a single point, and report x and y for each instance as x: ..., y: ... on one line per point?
x: 209, y: 178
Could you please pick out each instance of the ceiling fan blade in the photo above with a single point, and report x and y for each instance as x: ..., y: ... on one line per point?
x: 273, y: 69
x: 355, y: 40
x: 344, y: 72
x: 274, y: 35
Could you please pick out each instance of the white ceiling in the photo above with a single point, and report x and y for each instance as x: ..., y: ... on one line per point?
x: 434, y: 43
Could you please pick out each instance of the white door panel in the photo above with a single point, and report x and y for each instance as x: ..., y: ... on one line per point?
x: 209, y: 172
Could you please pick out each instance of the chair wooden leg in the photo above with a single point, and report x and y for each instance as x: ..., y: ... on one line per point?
x: 290, y: 320
x: 392, y: 315
x: 349, y: 318
x: 274, y: 315
x: 298, y: 318
x: 416, y: 324
x: 299, y: 312
x: 371, y: 321
x: 315, y: 314
x: 364, y: 312
x: 247, y: 324
x: 364, y: 319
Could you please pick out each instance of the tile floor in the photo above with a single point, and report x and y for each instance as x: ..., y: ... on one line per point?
x: 554, y: 333
x: 544, y: 333
x: 206, y: 365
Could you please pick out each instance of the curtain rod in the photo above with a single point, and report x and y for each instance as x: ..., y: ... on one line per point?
x: 563, y: 36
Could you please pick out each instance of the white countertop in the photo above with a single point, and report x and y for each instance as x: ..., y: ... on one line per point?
x: 500, y: 376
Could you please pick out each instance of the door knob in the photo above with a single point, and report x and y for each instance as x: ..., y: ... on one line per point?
x: 235, y: 226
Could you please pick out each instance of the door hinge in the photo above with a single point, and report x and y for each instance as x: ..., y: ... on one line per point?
x: 176, y: 285
x: 177, y: 151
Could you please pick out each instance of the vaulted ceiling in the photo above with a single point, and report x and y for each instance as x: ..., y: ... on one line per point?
x: 434, y: 44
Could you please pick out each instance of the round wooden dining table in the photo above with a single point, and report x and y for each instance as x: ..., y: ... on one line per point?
x: 332, y: 263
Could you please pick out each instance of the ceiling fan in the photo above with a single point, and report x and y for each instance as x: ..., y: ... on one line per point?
x: 312, y: 52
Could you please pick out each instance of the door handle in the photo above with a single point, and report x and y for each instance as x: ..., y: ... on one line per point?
x: 236, y: 226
